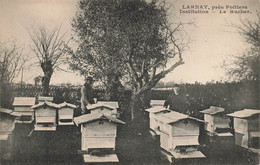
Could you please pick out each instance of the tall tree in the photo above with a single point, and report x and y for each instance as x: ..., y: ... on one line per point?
x: 50, y: 50
x: 131, y: 39
x: 11, y: 63
x: 246, y: 65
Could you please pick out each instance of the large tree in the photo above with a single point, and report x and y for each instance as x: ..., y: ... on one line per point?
x: 50, y: 50
x: 246, y: 65
x: 129, y: 39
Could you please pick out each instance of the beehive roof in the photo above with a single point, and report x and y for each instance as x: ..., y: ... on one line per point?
x: 50, y: 104
x: 24, y: 101
x: 45, y: 98
x: 157, y: 109
x: 173, y: 117
x: 9, y: 111
x: 244, y: 113
x: 213, y: 110
x: 157, y: 102
x: 110, y: 105
x: 64, y: 104
x: 96, y: 116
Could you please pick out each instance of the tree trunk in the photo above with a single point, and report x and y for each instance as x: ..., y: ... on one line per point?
x: 46, y: 83
x: 139, y: 119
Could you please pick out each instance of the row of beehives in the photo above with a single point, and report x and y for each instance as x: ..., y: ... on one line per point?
x: 98, y: 128
x: 179, y: 133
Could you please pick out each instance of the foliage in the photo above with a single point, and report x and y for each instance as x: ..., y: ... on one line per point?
x: 50, y: 50
x: 127, y: 43
x: 246, y: 66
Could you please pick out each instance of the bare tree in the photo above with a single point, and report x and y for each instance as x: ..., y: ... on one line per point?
x: 11, y: 63
x: 50, y: 50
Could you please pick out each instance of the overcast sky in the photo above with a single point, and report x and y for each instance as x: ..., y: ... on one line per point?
x: 212, y: 41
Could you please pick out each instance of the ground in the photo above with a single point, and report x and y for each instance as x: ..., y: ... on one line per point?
x: 61, y: 148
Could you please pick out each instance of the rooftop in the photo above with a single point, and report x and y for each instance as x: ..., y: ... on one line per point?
x: 24, y: 101
x: 9, y: 111
x: 95, y: 116
x: 157, y: 102
x: 65, y: 104
x: 173, y: 117
x: 244, y: 113
x: 157, y: 109
x: 213, y: 110
x: 46, y: 103
x: 108, y: 104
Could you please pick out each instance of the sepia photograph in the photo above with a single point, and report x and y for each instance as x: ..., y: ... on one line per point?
x: 129, y: 82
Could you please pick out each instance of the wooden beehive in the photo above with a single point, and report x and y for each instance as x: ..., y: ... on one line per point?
x: 99, y: 133
x: 105, y: 107
x: 65, y: 114
x: 152, y: 113
x: 179, y: 135
x: 217, y: 121
x: 45, y: 116
x: 23, y: 106
x: 247, y: 128
x: 7, y: 125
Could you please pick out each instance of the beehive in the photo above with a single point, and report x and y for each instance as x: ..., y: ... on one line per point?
x: 45, y: 116
x: 65, y: 114
x: 179, y: 134
x: 217, y: 121
x: 105, y: 107
x: 247, y: 128
x: 99, y: 133
x: 23, y: 106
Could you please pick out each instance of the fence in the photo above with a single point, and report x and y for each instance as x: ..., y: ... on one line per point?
x: 232, y: 96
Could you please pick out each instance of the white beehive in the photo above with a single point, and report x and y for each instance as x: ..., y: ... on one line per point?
x: 65, y: 115
x: 217, y: 121
x: 105, y: 107
x: 247, y: 128
x: 7, y: 125
x: 23, y: 106
x: 179, y: 134
x: 99, y: 133
x: 45, y: 116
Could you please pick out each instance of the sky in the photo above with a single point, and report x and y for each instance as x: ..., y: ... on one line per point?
x: 212, y: 40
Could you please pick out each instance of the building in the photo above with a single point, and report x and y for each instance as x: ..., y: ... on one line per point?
x: 217, y: 121
x: 179, y: 134
x: 98, y: 137
x: 23, y: 106
x: 66, y: 113
x: 105, y: 107
x: 7, y: 125
x: 247, y: 128
x: 45, y: 116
